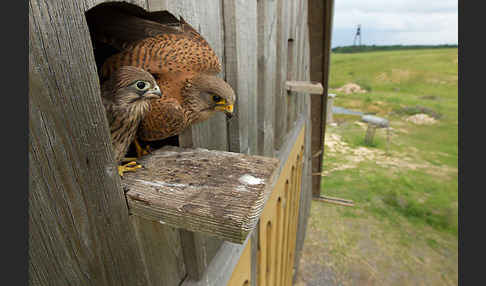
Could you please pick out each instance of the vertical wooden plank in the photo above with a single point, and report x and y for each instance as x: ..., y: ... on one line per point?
x: 162, y: 250
x: 255, y: 252
x: 320, y: 24
x: 242, y: 274
x: 304, y: 109
x: 79, y: 230
x: 286, y: 230
x: 222, y: 266
x: 292, y: 52
x: 267, y: 48
x: 251, y: 74
x: 291, y: 233
x: 278, y: 240
x: 240, y: 38
x: 199, y: 250
x: 281, y: 73
x: 262, y: 257
x: 269, y: 246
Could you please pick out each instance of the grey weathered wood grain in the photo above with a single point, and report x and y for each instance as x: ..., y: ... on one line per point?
x: 240, y: 38
x: 280, y: 129
x: 306, y: 194
x: 79, y: 230
x: 266, y: 52
x: 214, y: 192
x: 292, y: 67
x: 88, y: 4
x: 162, y: 251
x: 221, y: 267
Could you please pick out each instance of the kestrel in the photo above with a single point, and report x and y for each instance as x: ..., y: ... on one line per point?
x: 126, y: 95
x: 179, y: 58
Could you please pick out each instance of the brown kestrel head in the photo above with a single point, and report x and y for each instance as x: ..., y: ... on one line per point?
x: 206, y: 94
x: 129, y: 86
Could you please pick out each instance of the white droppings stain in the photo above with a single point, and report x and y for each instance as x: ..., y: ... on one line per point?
x: 241, y: 189
x: 161, y: 222
x: 162, y: 184
x: 250, y: 180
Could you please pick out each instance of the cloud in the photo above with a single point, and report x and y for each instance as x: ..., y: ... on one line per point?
x: 398, y: 21
x: 419, y: 6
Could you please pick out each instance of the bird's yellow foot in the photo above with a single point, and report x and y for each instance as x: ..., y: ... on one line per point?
x: 128, y: 167
x: 141, y: 151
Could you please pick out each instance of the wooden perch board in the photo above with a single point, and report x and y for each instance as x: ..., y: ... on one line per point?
x: 304, y: 86
x: 214, y: 192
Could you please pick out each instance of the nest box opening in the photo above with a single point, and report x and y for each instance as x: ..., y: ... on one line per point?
x: 102, y: 50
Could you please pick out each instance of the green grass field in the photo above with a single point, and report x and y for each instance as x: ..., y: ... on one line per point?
x: 403, y: 229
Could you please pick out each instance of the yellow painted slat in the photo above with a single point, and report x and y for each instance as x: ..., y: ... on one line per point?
x: 242, y: 274
x: 277, y: 228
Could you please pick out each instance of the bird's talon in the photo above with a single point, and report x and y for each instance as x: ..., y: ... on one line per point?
x: 128, y: 167
x: 141, y: 151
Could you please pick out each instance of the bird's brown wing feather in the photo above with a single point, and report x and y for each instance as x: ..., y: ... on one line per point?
x: 167, y: 47
x: 169, y: 112
x: 161, y: 46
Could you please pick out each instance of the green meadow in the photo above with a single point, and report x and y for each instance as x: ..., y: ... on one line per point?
x: 403, y: 227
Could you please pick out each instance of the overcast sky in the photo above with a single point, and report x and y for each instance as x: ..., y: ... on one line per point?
x: 394, y: 22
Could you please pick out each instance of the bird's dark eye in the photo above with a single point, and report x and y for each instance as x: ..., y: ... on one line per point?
x: 141, y: 85
x: 217, y: 98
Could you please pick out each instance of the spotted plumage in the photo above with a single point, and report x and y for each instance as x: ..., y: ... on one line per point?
x: 126, y: 95
x: 179, y: 58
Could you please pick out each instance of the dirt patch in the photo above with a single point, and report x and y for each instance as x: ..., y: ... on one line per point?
x: 421, y: 119
x: 417, y: 109
x: 350, y: 88
x: 351, y: 157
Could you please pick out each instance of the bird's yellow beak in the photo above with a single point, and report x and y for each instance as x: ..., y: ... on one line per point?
x: 221, y: 106
x: 225, y: 108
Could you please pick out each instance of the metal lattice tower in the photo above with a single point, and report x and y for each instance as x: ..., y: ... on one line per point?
x: 358, y: 35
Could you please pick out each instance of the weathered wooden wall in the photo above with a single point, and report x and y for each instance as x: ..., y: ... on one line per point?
x: 81, y: 224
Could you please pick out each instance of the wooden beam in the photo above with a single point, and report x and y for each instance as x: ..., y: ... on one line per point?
x: 218, y: 193
x: 320, y: 19
x: 304, y: 86
x: 337, y: 201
